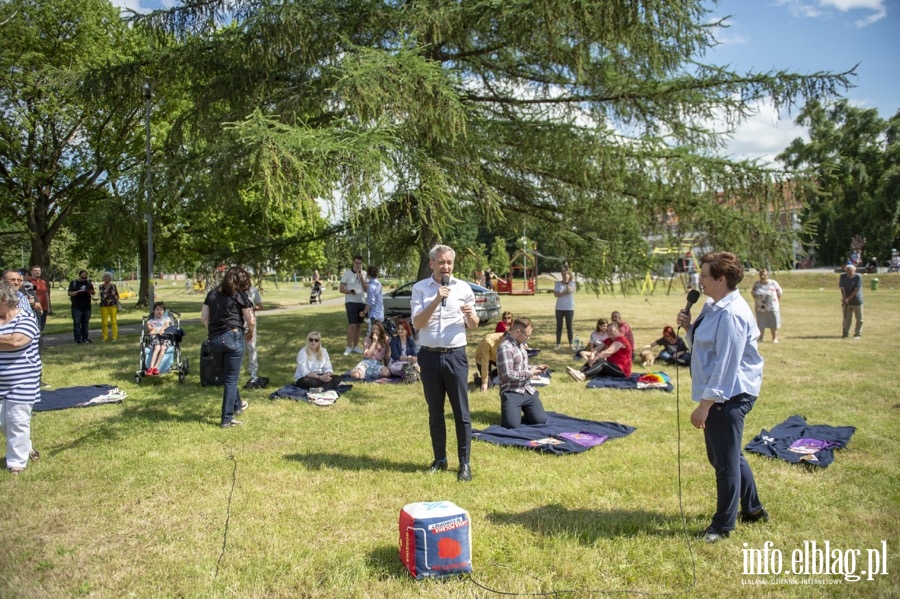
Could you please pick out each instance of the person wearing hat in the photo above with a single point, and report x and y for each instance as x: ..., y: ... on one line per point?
x: 851, y: 300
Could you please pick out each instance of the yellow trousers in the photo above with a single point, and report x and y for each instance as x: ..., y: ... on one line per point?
x: 109, y: 313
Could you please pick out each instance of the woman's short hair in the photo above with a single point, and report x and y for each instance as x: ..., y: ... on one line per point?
x: 8, y: 296
x: 235, y: 279
x: 505, y: 314
x: 107, y: 274
x: 159, y: 305
x: 724, y: 264
x: 613, y: 326
x: 372, y: 271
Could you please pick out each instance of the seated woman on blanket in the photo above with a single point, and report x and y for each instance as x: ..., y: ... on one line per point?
x: 675, y: 350
x: 595, y: 341
x: 314, y: 365
x: 614, y: 360
x: 375, y: 355
x: 159, y: 341
x: 403, y: 349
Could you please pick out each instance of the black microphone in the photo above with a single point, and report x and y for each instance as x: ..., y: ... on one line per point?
x: 693, y: 296
x: 445, y: 280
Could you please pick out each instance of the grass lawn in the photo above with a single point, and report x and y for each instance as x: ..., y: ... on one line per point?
x: 150, y: 498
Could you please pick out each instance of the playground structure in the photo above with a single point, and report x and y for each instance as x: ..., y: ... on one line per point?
x: 521, y: 279
x: 683, y: 264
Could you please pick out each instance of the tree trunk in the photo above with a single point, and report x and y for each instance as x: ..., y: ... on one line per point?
x: 40, y: 254
x: 144, y: 288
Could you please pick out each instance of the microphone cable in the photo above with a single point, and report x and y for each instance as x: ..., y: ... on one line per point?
x: 684, y: 529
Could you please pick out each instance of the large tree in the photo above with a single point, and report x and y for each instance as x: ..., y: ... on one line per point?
x: 854, y: 158
x: 586, y: 118
x: 60, y: 142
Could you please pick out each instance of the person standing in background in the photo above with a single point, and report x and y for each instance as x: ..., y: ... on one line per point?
x: 109, y: 307
x: 81, y: 292
x: 564, y: 291
x: 252, y: 354
x: 850, y: 284
x: 374, y: 297
x: 354, y: 287
x: 443, y: 308
x: 767, y: 295
x: 41, y: 294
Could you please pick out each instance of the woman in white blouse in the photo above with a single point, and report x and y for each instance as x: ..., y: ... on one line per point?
x: 314, y: 365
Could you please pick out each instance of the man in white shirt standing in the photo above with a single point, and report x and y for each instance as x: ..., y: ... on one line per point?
x: 354, y: 287
x: 443, y: 307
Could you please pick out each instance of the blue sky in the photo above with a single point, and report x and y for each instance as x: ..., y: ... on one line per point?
x: 802, y: 36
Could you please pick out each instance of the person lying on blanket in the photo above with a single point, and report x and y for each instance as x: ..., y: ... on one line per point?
x: 516, y: 393
x: 159, y: 341
x: 614, y: 360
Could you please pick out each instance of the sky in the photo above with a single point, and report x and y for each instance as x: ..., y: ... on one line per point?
x: 801, y: 36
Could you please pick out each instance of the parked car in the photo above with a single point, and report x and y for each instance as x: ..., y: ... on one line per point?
x: 487, y: 303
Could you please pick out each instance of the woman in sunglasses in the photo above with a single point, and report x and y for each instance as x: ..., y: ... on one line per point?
x: 314, y: 365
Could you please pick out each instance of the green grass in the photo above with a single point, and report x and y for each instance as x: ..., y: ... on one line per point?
x: 134, y: 500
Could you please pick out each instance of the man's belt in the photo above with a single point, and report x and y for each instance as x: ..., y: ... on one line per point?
x: 441, y: 350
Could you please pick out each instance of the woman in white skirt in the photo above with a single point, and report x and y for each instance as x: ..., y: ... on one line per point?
x: 767, y: 293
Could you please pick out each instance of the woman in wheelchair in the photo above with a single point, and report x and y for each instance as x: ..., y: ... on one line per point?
x: 159, y: 340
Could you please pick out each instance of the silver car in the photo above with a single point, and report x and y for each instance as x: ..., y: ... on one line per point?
x: 487, y: 303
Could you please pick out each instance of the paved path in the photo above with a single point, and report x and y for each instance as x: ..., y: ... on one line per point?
x: 67, y: 338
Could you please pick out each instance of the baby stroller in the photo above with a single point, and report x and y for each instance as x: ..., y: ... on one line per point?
x: 173, y: 361
x: 315, y: 296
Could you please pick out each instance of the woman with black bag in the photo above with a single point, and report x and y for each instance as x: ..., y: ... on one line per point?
x: 227, y: 314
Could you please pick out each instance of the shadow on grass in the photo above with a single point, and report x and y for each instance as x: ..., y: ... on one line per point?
x: 385, y: 562
x: 132, y: 416
x: 491, y: 417
x: 589, y: 526
x: 342, y: 461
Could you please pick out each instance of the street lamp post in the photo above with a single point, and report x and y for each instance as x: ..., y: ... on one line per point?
x: 147, y: 180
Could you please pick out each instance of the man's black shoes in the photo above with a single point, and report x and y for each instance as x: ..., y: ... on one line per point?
x: 465, y: 473
x: 761, y: 516
x: 438, y: 465
x: 713, y: 534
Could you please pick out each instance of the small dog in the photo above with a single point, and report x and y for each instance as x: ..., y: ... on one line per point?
x: 647, y: 358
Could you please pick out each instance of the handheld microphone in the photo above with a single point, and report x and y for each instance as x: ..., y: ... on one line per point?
x: 445, y: 280
x: 692, y: 297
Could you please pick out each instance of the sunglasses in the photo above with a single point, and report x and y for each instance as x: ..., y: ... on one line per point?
x: 313, y: 340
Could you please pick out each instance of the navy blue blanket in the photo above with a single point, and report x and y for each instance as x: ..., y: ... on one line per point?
x: 608, y: 382
x: 70, y: 397
x: 561, y: 434
x: 300, y: 394
x: 796, y: 441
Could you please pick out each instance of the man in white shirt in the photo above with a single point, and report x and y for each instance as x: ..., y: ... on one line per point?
x: 354, y: 287
x: 443, y: 307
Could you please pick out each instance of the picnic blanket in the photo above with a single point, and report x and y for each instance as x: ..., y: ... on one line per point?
x: 560, y: 435
x: 632, y: 382
x: 324, y: 398
x: 796, y: 441
x: 78, y: 397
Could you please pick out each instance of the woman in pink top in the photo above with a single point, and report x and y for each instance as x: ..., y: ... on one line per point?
x: 374, y: 364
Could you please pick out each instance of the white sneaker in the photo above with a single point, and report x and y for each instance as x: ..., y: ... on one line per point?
x: 774, y: 340
x: 347, y: 351
x: 356, y: 350
x: 575, y: 374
